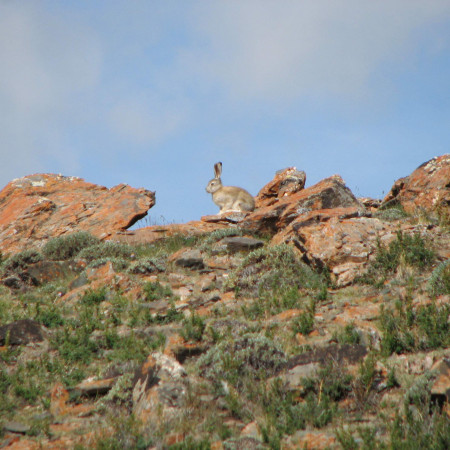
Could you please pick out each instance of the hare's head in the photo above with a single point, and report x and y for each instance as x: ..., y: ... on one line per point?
x: 216, y: 183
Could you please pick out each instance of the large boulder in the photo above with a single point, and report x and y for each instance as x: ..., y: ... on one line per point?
x: 325, y: 196
x: 285, y: 183
x: 160, y: 388
x: 338, y: 241
x: 427, y: 188
x: 38, y: 207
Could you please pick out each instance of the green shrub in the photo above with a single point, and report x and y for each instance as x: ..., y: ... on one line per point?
x: 304, y: 323
x: 107, y: 249
x: 407, y: 249
x: 391, y: 213
x: 332, y: 381
x: 193, y: 327
x: 367, y: 436
x: 147, y: 265
x: 284, y: 414
x: 50, y: 317
x: 420, y: 424
x: 433, y: 326
x: 68, y: 246
x: 165, y: 246
x: 348, y: 335
x: 75, y: 345
x: 404, y: 250
x: 118, y: 264
x: 127, y: 433
x: 273, y: 270
x: 130, y: 347
x: 439, y: 283
x: 250, y: 356
x: 94, y: 296
x: 156, y: 291
x: 20, y: 261
x: 405, y: 329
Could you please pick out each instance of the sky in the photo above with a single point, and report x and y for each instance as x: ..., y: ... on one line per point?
x: 153, y: 93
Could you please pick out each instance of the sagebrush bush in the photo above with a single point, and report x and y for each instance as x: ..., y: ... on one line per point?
x: 439, y: 282
x: 107, y: 249
x: 273, y: 269
x: 147, y: 265
x: 20, y: 261
x: 391, y: 213
x: 117, y: 263
x: 68, y: 246
x: 252, y: 355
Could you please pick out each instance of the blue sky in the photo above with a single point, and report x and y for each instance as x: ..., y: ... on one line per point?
x: 153, y: 93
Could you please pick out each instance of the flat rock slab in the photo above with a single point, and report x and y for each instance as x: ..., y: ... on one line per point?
x: 21, y: 332
x: 42, y: 206
x: 241, y: 243
x: 16, y: 427
x: 190, y: 259
x: 341, y: 354
x: 95, y: 387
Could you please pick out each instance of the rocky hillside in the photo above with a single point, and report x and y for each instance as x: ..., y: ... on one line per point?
x: 318, y: 321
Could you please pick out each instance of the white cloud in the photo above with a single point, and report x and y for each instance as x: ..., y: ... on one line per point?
x: 145, y: 120
x: 46, y: 63
x: 281, y: 50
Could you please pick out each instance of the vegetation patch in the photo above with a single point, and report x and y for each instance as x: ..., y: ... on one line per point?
x: 347, y: 335
x: 273, y: 269
x: 405, y: 329
x: 107, y: 249
x: 439, y: 283
x: 252, y: 355
x: 193, y: 327
x: 404, y: 251
x: 68, y: 246
x: 20, y: 261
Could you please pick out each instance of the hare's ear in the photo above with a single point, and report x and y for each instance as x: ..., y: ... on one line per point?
x: 218, y: 169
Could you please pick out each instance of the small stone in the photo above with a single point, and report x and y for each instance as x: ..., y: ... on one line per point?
x: 190, y: 259
x: 96, y: 387
x: 241, y: 243
x: 16, y: 427
x: 21, y: 332
x: 441, y: 385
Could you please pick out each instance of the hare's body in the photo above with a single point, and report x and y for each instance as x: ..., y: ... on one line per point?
x: 229, y: 198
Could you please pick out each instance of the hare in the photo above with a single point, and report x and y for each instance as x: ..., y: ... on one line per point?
x: 229, y: 198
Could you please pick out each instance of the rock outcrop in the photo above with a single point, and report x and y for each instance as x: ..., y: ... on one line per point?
x: 325, y: 222
x: 285, y: 183
x: 327, y: 195
x: 427, y: 188
x: 228, y: 340
x: 38, y: 207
